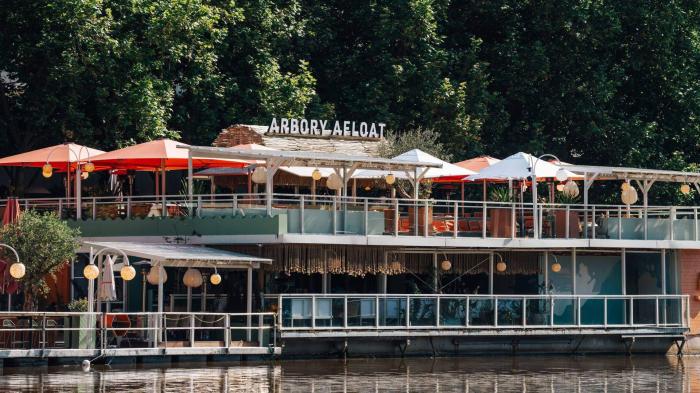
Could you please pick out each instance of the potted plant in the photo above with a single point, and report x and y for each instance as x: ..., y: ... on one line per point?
x: 501, y: 217
x: 85, y: 337
x: 563, y: 199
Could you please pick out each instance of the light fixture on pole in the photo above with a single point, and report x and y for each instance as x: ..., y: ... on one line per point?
x: 90, y: 271
x: 17, y: 269
x: 127, y: 273
x: 156, y: 275
x: 316, y: 174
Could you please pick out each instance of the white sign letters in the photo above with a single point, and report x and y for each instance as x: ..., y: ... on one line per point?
x: 325, y: 128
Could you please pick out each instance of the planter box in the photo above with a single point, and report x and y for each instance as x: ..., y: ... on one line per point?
x: 421, y: 219
x: 500, y: 222
x: 560, y: 224
x: 81, y: 339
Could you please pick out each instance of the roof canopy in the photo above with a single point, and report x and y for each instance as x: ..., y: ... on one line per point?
x: 59, y: 156
x: 306, y: 158
x: 518, y: 167
x: 622, y: 173
x: 162, y: 153
x: 182, y: 255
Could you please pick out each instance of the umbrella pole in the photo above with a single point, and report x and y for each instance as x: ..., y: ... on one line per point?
x: 162, y: 188
x: 462, y: 189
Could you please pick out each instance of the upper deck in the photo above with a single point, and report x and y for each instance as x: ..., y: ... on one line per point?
x: 298, y: 218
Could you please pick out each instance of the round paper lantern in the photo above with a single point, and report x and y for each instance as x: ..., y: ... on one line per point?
x: 215, y: 279
x: 390, y: 179
x: 560, y: 187
x: 571, y: 189
x: 334, y: 182
x: 91, y: 271
x: 47, y: 170
x: 316, y: 174
x: 446, y: 265
x: 156, y: 274
x: 192, y: 278
x: 128, y: 273
x: 685, y: 189
x: 629, y: 196
x: 556, y: 267
x: 259, y: 175
x: 562, y: 174
x: 501, y: 266
x: 88, y: 167
x: 17, y: 270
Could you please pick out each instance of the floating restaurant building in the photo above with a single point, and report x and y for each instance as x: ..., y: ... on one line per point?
x: 306, y: 245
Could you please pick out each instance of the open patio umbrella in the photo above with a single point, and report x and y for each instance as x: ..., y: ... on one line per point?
x: 447, y: 172
x: 476, y: 164
x: 63, y: 158
x: 518, y: 167
x: 160, y: 155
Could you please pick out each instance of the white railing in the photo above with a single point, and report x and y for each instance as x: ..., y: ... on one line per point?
x: 449, y: 312
x: 398, y: 217
x: 80, y: 330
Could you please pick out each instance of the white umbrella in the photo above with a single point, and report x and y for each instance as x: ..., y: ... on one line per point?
x: 447, y: 170
x: 106, y: 291
x: 518, y: 167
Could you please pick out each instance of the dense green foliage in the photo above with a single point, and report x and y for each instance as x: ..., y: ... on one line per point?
x: 44, y: 243
x: 609, y: 82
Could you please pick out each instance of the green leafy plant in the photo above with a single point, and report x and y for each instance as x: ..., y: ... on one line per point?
x: 501, y: 194
x: 78, y: 305
x: 566, y: 199
x: 45, y: 244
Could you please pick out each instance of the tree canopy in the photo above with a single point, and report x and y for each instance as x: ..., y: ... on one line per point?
x: 595, y: 82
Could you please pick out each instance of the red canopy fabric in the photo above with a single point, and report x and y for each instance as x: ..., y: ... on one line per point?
x: 162, y: 153
x: 11, y: 213
x: 59, y: 156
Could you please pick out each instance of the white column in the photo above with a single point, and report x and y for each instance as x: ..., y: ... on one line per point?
x: 78, y: 193
x: 190, y: 182
x: 249, y: 301
x: 491, y: 273
x: 435, y: 275
x: 573, y: 271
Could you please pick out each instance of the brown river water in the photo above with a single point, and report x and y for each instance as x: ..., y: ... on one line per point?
x: 467, y: 374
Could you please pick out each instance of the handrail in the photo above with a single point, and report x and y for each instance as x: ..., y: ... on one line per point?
x: 452, y: 311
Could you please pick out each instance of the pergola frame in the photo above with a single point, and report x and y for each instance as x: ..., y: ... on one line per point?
x: 343, y: 165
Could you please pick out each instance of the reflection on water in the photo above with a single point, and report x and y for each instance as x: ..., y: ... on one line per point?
x: 473, y: 374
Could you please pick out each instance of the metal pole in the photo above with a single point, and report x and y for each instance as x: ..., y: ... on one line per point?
x: 249, y: 301
x: 78, y: 193
x: 190, y: 181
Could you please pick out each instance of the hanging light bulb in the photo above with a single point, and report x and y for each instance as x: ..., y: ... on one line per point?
x: 556, y: 267
x: 446, y: 265
x: 47, y: 170
x: 390, y: 179
x: 316, y: 174
x: 88, y: 167
x: 685, y: 189
x: 128, y: 273
x: 215, y: 279
x: 334, y: 182
x: 571, y: 189
x: 501, y: 266
x: 259, y: 175
x: 192, y: 278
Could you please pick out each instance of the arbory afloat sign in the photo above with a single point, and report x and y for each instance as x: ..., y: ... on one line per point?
x: 326, y: 128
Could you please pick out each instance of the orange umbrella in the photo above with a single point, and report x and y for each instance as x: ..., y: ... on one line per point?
x: 161, y: 154
x: 60, y: 157
x: 478, y: 163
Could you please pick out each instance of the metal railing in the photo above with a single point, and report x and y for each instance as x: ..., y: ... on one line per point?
x: 81, y: 330
x: 449, y: 312
x: 324, y: 214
